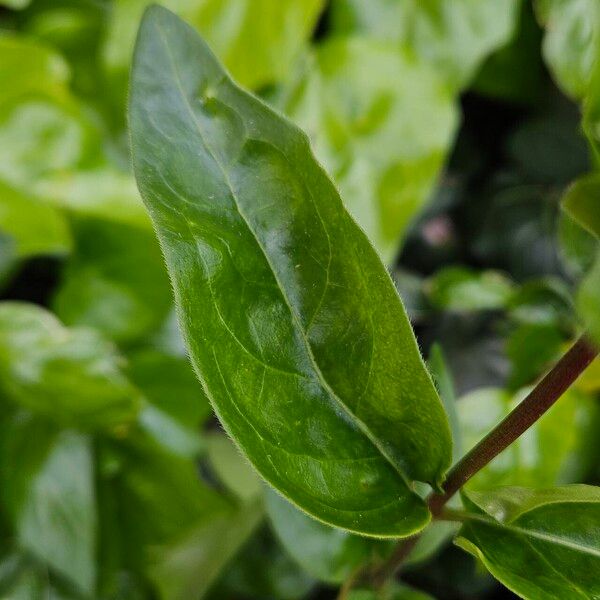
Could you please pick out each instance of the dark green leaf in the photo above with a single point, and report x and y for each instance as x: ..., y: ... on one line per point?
x: 539, y: 543
x: 292, y: 322
x: 70, y: 375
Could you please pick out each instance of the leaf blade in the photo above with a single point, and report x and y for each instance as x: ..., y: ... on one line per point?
x: 280, y: 342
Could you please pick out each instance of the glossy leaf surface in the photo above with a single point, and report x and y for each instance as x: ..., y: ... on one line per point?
x: 539, y: 543
x: 291, y: 320
x: 382, y: 123
x: 70, y: 375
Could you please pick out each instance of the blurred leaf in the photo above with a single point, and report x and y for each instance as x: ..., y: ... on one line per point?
x: 539, y: 543
x: 15, y: 4
x: 51, y: 147
x: 588, y: 300
x: 72, y: 376
x: 392, y: 591
x: 115, y: 281
x: 263, y: 570
x: 589, y: 381
x: 48, y: 486
x: 170, y: 384
x: 455, y: 36
x: 158, y: 497
x: 582, y: 202
x: 382, y: 123
x: 35, y: 228
x: 568, y: 429
x: 531, y: 348
x: 257, y: 40
x: 233, y: 469
x: 442, y: 376
x: 187, y: 569
x: 326, y: 553
x: 545, y: 301
x: 572, y: 41
x: 284, y: 352
x: 463, y: 289
x: 577, y: 246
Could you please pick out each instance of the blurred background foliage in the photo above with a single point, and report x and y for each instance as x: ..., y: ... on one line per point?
x: 452, y: 128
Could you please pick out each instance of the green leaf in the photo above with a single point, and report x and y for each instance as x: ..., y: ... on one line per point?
x: 455, y: 36
x: 186, y: 570
x: 36, y: 228
x: 72, y: 376
x: 326, y: 553
x: 393, y: 591
x: 582, y: 202
x: 382, y: 123
x: 463, y: 289
x: 311, y: 365
x: 572, y: 41
x: 231, y: 467
x: 51, y: 147
x: 170, y: 384
x: 263, y: 570
x: 568, y: 429
x: 588, y: 300
x: 258, y: 40
x: 48, y: 487
x: 539, y: 543
x: 115, y: 281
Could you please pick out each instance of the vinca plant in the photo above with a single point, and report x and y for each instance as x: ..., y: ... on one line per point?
x: 230, y: 230
x: 303, y: 346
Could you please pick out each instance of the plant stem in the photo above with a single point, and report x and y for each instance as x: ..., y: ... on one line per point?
x: 536, y: 403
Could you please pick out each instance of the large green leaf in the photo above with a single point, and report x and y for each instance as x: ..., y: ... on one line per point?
x: 572, y: 41
x: 382, y: 123
x: 48, y: 488
x: 72, y: 376
x: 292, y: 322
x: 540, y: 543
x: 258, y: 40
x: 454, y: 36
x: 568, y: 429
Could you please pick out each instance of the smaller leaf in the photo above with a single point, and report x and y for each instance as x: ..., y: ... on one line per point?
x: 232, y: 468
x: 462, y: 289
x: 73, y: 376
x: 48, y: 487
x: 393, y: 591
x: 582, y: 202
x: 539, y: 543
x: 588, y: 300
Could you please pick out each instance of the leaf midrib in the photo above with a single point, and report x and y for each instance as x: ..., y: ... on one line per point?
x: 361, y: 425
